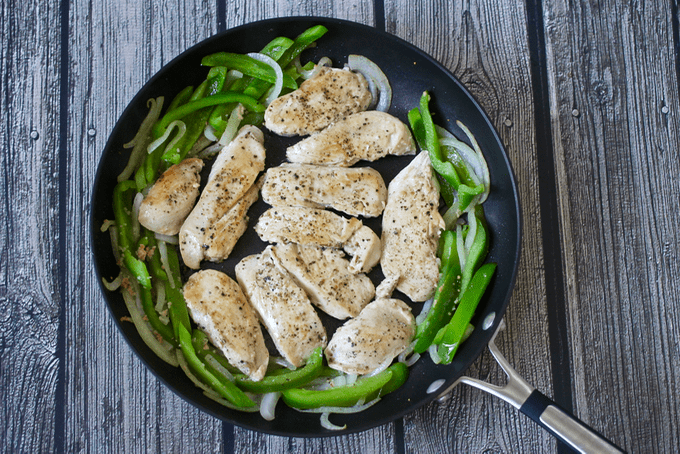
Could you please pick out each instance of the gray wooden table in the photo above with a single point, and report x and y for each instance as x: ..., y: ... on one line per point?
x: 585, y: 97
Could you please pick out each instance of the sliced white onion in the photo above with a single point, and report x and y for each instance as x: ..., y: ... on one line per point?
x: 435, y: 385
x: 209, y: 133
x: 278, y: 85
x: 106, y: 224
x: 210, y: 151
x: 268, y: 405
x: 232, y: 125
x: 113, y: 233
x: 460, y: 246
x: 134, y: 227
x: 369, y: 69
x: 384, y: 365
x: 351, y: 379
x: 184, y: 365
x: 468, y: 155
x: 162, y: 349
x: 114, y: 284
x: 452, y: 215
x: 283, y: 362
x: 141, y: 138
x: 485, y: 168
x: 232, y: 76
x: 160, y: 297
x: 221, y: 400
x: 423, y: 312
x: 412, y: 359
x: 181, y: 129
x: 359, y: 407
x: 163, y: 250
x: 407, y: 351
x: 470, y: 238
x: 310, y: 74
x: 468, y: 332
x: 434, y: 356
x: 327, y: 424
x: 219, y: 367
x: 172, y: 239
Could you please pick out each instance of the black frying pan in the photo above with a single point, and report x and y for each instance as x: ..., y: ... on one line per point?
x: 410, y: 72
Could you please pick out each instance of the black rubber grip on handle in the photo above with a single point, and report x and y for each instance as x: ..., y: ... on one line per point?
x: 536, y: 404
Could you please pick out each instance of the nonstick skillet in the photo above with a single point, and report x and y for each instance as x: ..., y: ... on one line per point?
x: 410, y: 72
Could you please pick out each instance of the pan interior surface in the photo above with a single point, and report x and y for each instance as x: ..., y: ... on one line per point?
x: 410, y: 72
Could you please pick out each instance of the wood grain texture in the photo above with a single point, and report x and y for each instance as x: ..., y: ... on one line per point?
x: 614, y: 94
x: 485, y: 45
x: 29, y: 226
x: 113, y: 404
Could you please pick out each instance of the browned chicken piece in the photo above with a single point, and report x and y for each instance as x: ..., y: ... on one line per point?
x: 364, y: 136
x: 228, y: 229
x: 383, y: 329
x: 411, y: 227
x: 305, y: 226
x: 283, y: 307
x: 357, y: 191
x: 171, y: 198
x: 326, y: 98
x: 324, y: 274
x: 232, y: 175
x: 219, y: 307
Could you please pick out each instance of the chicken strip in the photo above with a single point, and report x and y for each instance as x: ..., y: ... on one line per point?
x: 383, y: 329
x: 228, y: 229
x: 411, y: 226
x: 362, y: 136
x: 357, y: 191
x: 305, y: 226
x: 330, y: 96
x: 324, y: 274
x: 283, y: 307
x: 233, y: 173
x: 171, y: 198
x: 219, y: 307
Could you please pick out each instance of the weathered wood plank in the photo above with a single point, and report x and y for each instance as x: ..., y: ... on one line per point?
x: 112, y: 403
x: 484, y: 43
x: 376, y: 440
x: 29, y: 226
x: 614, y: 94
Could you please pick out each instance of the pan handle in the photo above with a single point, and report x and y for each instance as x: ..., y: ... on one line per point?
x: 528, y: 400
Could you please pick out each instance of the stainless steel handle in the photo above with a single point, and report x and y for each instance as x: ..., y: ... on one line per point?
x: 521, y: 395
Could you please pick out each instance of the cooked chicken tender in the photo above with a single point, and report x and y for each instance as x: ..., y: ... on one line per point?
x: 228, y: 229
x: 219, y: 307
x: 305, y: 226
x: 283, y: 307
x: 357, y: 191
x: 233, y: 173
x: 362, y: 136
x: 411, y: 226
x: 171, y: 198
x: 328, y: 97
x: 324, y: 274
x: 383, y: 329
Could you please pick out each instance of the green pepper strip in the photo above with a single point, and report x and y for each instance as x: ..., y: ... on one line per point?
x: 445, y: 296
x: 469, y: 300
x: 179, y: 314
x: 225, y: 388
x: 154, y: 259
x: 181, y: 98
x: 249, y: 85
x: 444, y: 168
x: 122, y: 214
x: 192, y: 106
x: 341, y: 396
x: 287, y: 380
x: 302, y: 42
x: 248, y: 66
x: 152, y: 316
x: 478, y: 249
x: 203, y: 349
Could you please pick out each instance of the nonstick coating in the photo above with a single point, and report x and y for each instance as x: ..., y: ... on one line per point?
x: 410, y: 72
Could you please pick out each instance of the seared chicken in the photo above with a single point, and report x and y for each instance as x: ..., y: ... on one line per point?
x: 283, y: 307
x: 355, y: 191
x: 324, y: 274
x: 171, y: 198
x: 321, y: 228
x: 219, y: 307
x: 228, y: 229
x: 383, y: 329
x: 233, y: 173
x: 330, y: 96
x: 362, y: 136
x: 411, y: 226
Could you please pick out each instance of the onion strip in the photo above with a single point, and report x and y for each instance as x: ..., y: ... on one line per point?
x: 486, y: 178
x: 368, y: 69
x: 172, y: 239
x: 278, y: 85
x: 140, y: 141
x: 163, y: 250
x: 232, y: 125
x: 268, y: 405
